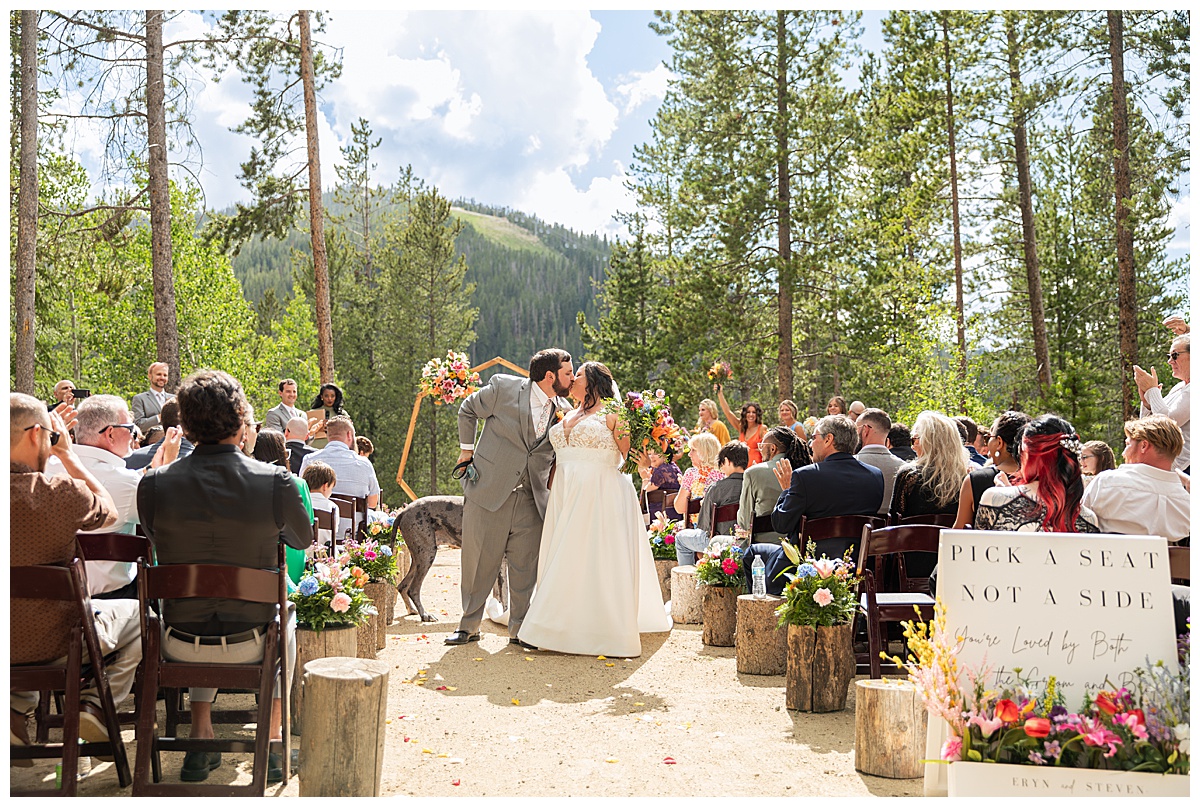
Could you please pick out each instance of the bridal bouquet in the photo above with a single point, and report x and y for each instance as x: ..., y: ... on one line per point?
x: 820, y: 592
x: 449, y: 379
x: 647, y: 417
x: 331, y: 593
x: 720, y: 372
x: 373, y: 557
x: 662, y: 536
x: 721, y: 564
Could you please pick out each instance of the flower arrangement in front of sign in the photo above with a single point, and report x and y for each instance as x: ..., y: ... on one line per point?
x: 449, y: 379
x: 721, y: 564
x: 331, y: 593
x: 720, y: 372
x: 820, y: 591
x: 1140, y: 727
x: 373, y: 557
x: 647, y: 417
x: 662, y: 536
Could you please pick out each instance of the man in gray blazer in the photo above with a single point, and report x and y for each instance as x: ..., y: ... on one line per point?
x: 278, y: 416
x: 505, y: 487
x: 148, y: 405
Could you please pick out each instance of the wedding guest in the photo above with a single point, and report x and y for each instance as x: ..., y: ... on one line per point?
x: 321, y: 479
x: 660, y: 473
x: 1004, y: 452
x: 760, y: 488
x: 295, y: 435
x: 873, y: 426
x: 168, y: 417
x: 364, y: 447
x: 899, y: 442
x: 62, y: 394
x: 731, y: 461
x: 710, y: 422
x: 749, y: 423
x: 1096, y: 458
x: 703, y: 449
x: 972, y: 435
x: 1177, y: 404
x: 789, y: 414
x: 856, y: 410
x: 1047, y: 493
x: 930, y: 484
x: 332, y: 401
x: 837, y: 406
x: 270, y: 448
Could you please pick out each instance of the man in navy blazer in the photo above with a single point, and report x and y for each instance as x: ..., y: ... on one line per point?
x: 836, y: 484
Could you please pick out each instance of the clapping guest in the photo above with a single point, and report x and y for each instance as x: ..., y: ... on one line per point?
x: 660, y: 473
x: 1004, y: 452
x: 703, y: 449
x: 1095, y: 458
x: 1048, y: 492
x: 710, y: 422
x: 749, y: 423
x: 1177, y: 404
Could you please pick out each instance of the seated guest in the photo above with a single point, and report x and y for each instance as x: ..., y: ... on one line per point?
x: 837, y: 406
x: 220, y: 506
x: 899, y: 442
x: 168, y: 417
x: 321, y: 479
x: 355, y: 475
x: 364, y: 447
x: 269, y: 448
x: 153, y: 435
x: 1144, y: 496
x: 1177, y: 404
x: 294, y: 437
x: 1047, y: 494
x: 1004, y: 451
x: 856, y: 409
x: 731, y: 461
x: 930, y: 484
x: 971, y: 430
x: 695, y: 482
x: 789, y: 414
x: 44, y: 515
x: 873, y: 426
x: 1095, y: 458
x: 278, y: 416
x: 250, y: 433
x: 660, y: 473
x: 62, y: 394
x: 760, y: 488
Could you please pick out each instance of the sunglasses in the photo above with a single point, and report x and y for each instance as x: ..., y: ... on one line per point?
x: 130, y: 427
x: 1175, y: 354
x: 53, y: 434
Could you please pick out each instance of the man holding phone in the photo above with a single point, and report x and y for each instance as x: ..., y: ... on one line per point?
x: 148, y: 405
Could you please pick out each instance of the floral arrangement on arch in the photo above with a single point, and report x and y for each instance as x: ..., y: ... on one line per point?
x: 721, y: 564
x: 373, y: 557
x: 449, y: 379
x: 331, y: 593
x: 720, y: 372
x: 821, y: 591
x: 662, y: 536
x: 1142, y: 727
x: 647, y: 417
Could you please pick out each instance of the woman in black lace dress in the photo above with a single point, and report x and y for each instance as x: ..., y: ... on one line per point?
x: 1046, y: 495
x: 1004, y: 452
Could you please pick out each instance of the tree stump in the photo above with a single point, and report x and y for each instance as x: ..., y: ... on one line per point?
x: 820, y: 667
x: 342, y: 746
x: 719, y: 607
x: 378, y: 593
x: 890, y: 723
x: 664, y: 568
x: 686, y: 608
x: 762, y: 646
x: 334, y: 640
x: 367, y: 638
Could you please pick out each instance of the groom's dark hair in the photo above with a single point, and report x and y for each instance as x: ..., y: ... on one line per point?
x: 547, y: 361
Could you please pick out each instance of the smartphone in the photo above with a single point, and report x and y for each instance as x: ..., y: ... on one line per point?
x: 81, y: 393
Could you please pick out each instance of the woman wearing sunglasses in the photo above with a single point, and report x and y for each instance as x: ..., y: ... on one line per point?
x: 1176, y: 404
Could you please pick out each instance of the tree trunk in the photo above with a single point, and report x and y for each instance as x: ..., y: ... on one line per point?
x: 166, y: 330
x: 890, y: 725
x: 335, y: 640
x: 1033, y: 274
x: 1126, y: 278
x: 24, y: 292
x: 316, y: 214
x: 718, y: 604
x: 343, y: 741
x: 685, y: 597
x: 820, y: 667
x: 761, y: 643
x: 784, y: 212
x: 958, y: 270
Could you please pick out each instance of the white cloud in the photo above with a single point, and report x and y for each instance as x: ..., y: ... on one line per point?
x: 587, y: 210
x: 640, y: 87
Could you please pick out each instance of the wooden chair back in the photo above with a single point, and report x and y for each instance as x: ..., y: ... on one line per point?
x: 879, y: 605
x: 945, y: 520
x: 358, y: 511
x: 324, y: 520
x: 693, y: 509
x: 724, y: 513
x: 1180, y: 560
x: 114, y: 546
x: 835, y: 534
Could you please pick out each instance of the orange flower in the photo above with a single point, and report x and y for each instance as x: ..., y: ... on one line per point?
x: 1007, y: 711
x: 1105, y: 702
x: 1037, y: 727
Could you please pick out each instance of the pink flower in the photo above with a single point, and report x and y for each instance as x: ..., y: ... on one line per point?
x: 987, y: 726
x: 340, y: 603
x: 952, y: 748
x: 369, y: 555
x: 729, y: 566
x: 822, y: 597
x: 668, y: 539
x: 824, y: 567
x: 1131, y: 721
x: 1099, y: 737
x: 637, y: 403
x: 660, y: 394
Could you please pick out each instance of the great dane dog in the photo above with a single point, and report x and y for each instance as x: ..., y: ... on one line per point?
x: 424, y: 524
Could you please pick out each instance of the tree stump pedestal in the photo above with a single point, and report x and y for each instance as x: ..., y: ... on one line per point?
x: 378, y: 592
x: 820, y: 667
x: 890, y: 724
x: 342, y: 746
x: 761, y: 643
x: 686, y: 608
x: 664, y: 568
x: 334, y: 640
x: 718, y: 605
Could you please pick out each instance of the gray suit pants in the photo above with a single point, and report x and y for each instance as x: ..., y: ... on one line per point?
x: 514, y: 531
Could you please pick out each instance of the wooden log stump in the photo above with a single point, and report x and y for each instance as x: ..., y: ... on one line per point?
x: 368, y: 633
x: 820, y: 667
x: 334, y: 640
x: 378, y: 594
x: 664, y: 568
x: 719, y: 607
x: 762, y: 646
x: 686, y: 608
x: 342, y: 746
x: 890, y: 725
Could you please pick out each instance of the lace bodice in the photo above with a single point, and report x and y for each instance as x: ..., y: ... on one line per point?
x: 591, y: 432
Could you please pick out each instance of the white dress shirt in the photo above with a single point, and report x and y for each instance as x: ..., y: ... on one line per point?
x: 1177, y: 405
x: 1139, y: 499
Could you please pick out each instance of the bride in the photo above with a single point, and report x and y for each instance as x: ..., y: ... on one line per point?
x: 597, y: 589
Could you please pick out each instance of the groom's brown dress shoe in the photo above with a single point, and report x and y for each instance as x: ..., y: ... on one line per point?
x: 526, y: 645
x: 462, y: 637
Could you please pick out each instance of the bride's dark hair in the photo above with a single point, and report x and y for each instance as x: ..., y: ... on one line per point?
x: 599, y: 383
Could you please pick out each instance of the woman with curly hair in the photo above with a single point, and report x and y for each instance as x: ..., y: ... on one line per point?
x: 331, y: 400
x: 1004, y: 452
x: 749, y: 422
x: 1047, y: 493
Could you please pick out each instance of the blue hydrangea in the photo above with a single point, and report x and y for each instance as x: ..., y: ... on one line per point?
x: 308, y: 586
x: 385, y: 550
x: 806, y: 570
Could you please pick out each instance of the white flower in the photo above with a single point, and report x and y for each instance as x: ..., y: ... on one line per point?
x: 1182, y: 732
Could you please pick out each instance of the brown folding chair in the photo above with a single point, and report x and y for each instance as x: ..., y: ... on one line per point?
x: 878, y: 606
x: 358, y: 510
x: 1180, y: 560
x: 693, y: 509
x: 184, y: 581
x: 66, y: 584
x: 761, y: 524
x: 724, y: 513
x: 945, y: 520
x: 325, y: 520
x: 835, y: 534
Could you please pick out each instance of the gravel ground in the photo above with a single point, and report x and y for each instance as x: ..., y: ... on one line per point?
x: 679, y: 720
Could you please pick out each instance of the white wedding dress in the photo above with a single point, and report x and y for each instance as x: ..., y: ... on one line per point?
x: 597, y: 588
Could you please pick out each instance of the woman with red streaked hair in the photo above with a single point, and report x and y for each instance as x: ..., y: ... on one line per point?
x: 1046, y: 494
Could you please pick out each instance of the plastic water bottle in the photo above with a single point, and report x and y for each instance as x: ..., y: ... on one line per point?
x: 758, y: 578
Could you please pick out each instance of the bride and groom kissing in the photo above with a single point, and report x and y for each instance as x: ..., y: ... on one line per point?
x: 542, y: 489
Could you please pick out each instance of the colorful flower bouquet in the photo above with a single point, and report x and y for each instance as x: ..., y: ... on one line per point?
x: 1144, y: 727
x: 373, y: 557
x: 820, y: 592
x: 332, y: 594
x: 447, y: 380
x: 720, y: 372
x: 721, y: 564
x: 662, y: 536
x: 647, y: 417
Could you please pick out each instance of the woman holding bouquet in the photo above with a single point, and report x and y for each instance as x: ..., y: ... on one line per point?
x: 750, y: 424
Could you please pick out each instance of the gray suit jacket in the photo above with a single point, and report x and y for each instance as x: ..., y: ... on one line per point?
x: 885, y: 461
x: 278, y: 416
x: 146, y: 408
x: 760, y: 492
x: 508, y: 447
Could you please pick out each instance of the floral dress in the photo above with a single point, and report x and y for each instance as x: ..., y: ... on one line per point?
x: 698, y: 485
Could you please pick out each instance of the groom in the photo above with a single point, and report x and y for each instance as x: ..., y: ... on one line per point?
x: 505, y: 502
